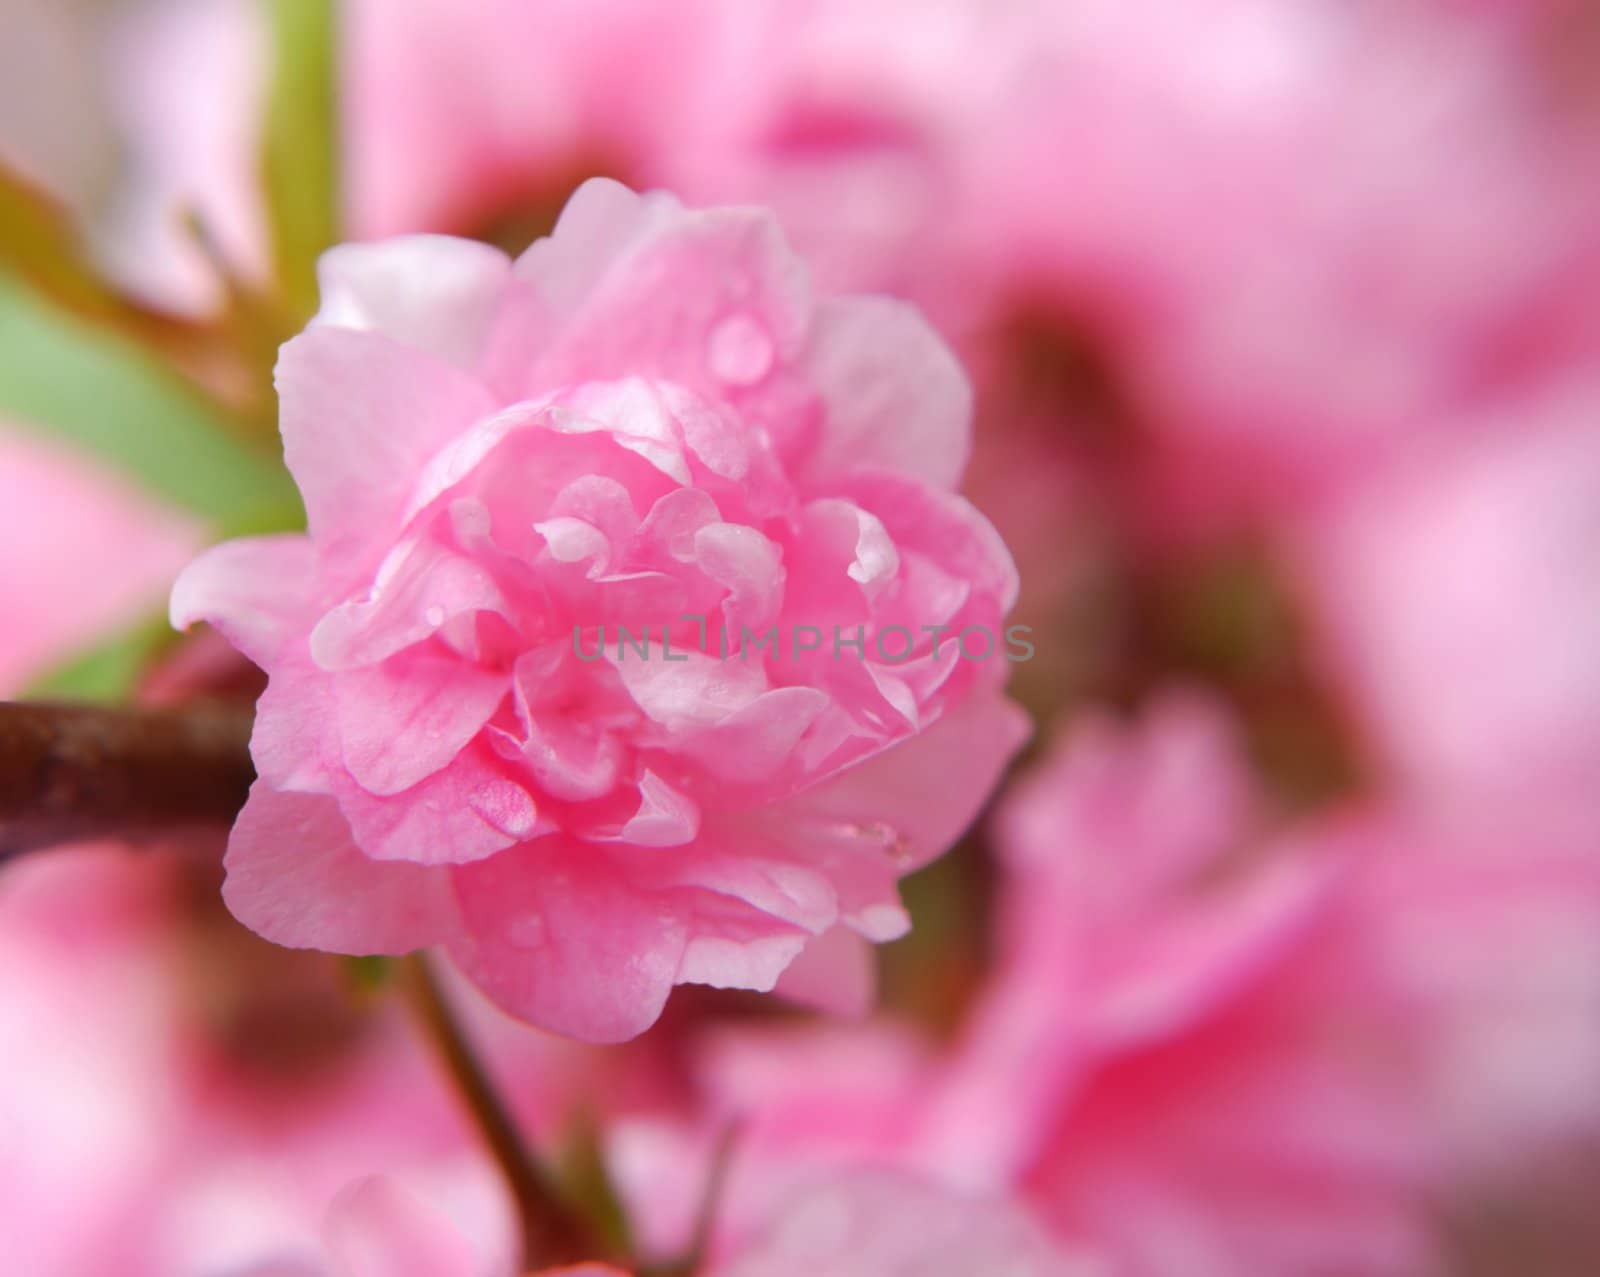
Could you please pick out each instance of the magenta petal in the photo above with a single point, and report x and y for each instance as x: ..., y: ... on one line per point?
x: 421, y: 585
x: 968, y: 749
x: 570, y: 760
x: 774, y: 891
x: 296, y: 877
x: 648, y: 288
x: 556, y: 936
x: 896, y: 398
x: 665, y: 817
x: 754, y: 743
x: 693, y: 690
x: 295, y: 742
x: 945, y: 528
x: 749, y: 566
x: 858, y: 540
x: 255, y: 591
x: 836, y: 972
x: 1168, y: 970
x: 403, y: 720
x: 600, y: 222
x: 464, y: 812
x: 437, y: 294
x: 738, y: 954
x: 361, y: 415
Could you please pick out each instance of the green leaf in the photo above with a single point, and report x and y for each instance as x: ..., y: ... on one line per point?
x: 109, y: 670
x: 301, y: 162
x: 76, y: 382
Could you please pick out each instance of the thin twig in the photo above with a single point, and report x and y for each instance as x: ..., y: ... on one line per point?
x: 552, y: 1232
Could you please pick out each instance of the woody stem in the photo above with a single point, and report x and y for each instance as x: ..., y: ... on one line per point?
x: 75, y: 772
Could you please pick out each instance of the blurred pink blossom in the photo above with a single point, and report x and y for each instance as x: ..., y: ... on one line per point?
x: 852, y: 1226
x: 646, y: 419
x: 140, y: 115
x: 456, y: 117
x: 1209, y: 1047
x: 1156, y: 1064
x: 66, y: 519
x: 891, y: 1226
x: 1304, y: 234
x: 1459, y: 609
x: 145, y: 1131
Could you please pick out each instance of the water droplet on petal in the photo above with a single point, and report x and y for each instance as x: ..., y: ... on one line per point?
x: 886, y: 837
x: 526, y: 932
x: 434, y: 616
x: 506, y: 807
x: 875, y: 835
x: 740, y: 351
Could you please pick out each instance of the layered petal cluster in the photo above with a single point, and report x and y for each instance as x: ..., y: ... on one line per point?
x: 638, y: 637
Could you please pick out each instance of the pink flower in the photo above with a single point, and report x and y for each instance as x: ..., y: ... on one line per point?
x: 850, y: 1226
x: 1460, y: 608
x: 557, y: 91
x: 1393, y: 219
x: 801, y: 1099
x: 78, y: 522
x: 645, y: 422
x: 138, y: 115
x: 378, y: 1227
x: 1150, y: 1065
x: 146, y: 1131
x: 891, y: 1226
x: 1208, y: 1047
x: 1213, y: 1049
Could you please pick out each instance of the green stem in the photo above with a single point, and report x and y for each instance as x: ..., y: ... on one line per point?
x: 552, y: 1232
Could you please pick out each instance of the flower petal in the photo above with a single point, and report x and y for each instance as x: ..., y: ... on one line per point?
x: 253, y: 590
x: 463, y: 812
x: 895, y: 396
x: 434, y: 293
x: 361, y: 415
x: 556, y: 936
x: 836, y: 972
x: 404, y: 720
x: 296, y: 877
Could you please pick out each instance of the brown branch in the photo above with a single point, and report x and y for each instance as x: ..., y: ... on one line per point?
x: 552, y: 1232
x: 75, y: 772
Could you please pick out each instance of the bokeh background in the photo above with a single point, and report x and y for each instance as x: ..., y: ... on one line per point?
x: 1279, y: 954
